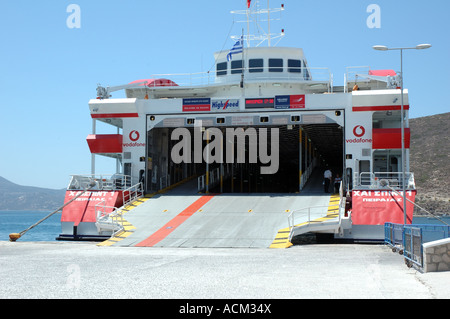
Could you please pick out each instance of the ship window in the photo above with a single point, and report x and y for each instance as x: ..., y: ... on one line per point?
x: 275, y: 65
x: 255, y: 65
x: 306, y: 73
x: 221, y: 68
x: 236, y: 67
x: 294, y: 66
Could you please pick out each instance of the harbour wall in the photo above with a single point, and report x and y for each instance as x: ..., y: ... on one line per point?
x: 436, y: 255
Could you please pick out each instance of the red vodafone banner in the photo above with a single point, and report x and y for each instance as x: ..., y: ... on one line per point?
x: 376, y: 207
x: 83, y: 208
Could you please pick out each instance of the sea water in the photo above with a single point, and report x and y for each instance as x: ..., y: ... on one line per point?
x: 49, y: 229
x: 17, y: 221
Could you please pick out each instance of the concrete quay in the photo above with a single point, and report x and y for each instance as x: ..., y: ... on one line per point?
x: 72, y: 270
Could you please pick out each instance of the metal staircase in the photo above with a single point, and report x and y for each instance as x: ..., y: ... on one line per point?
x: 316, y: 222
x: 110, y: 219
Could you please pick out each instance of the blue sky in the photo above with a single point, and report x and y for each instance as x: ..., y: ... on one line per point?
x: 49, y: 72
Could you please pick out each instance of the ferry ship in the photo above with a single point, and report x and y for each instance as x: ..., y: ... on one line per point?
x: 238, y: 157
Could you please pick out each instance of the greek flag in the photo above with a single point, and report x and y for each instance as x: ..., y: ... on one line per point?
x: 237, y: 48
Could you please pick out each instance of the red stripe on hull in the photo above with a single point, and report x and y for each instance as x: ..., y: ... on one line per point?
x: 114, y: 115
x: 379, y: 108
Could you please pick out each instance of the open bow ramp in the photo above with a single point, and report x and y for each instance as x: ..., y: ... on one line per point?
x: 184, y: 218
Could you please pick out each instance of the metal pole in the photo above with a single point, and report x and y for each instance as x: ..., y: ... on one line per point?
x: 207, y: 162
x: 300, y: 139
x: 221, y: 162
x: 402, y: 120
x: 403, y: 141
x: 94, y: 127
x: 268, y: 21
x: 248, y: 29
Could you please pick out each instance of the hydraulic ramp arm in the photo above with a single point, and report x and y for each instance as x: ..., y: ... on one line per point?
x: 392, y: 82
x: 104, y: 93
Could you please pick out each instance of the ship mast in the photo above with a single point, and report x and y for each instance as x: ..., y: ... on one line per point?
x: 268, y: 23
x: 252, y: 13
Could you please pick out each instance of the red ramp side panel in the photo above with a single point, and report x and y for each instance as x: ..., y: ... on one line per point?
x: 83, y: 208
x: 376, y: 207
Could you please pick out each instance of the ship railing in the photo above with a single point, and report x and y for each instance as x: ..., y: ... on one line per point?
x: 360, y: 75
x: 132, y: 193
x: 307, y: 173
x: 352, y: 72
x: 164, y: 181
x: 309, y: 217
x: 111, y: 218
x: 99, y: 182
x: 254, y: 74
x: 214, y: 177
x: 108, y: 218
x: 381, y: 180
x: 209, y: 180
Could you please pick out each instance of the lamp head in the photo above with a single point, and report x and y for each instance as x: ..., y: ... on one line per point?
x: 380, y: 47
x: 423, y: 46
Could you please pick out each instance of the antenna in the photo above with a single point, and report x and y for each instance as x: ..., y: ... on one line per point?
x: 252, y: 13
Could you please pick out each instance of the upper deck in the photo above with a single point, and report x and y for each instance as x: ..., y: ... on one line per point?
x: 256, y: 71
x: 255, y: 67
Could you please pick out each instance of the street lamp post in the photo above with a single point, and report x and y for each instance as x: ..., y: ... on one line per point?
x: 385, y: 48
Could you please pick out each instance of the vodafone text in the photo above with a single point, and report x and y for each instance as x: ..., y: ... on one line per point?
x: 359, y: 140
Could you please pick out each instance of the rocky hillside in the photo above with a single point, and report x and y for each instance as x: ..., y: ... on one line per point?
x: 430, y: 162
x: 17, y: 197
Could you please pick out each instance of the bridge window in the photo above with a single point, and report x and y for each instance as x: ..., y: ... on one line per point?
x: 275, y: 65
x: 236, y: 67
x: 294, y: 66
x: 306, y: 73
x: 256, y: 65
x: 221, y: 68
